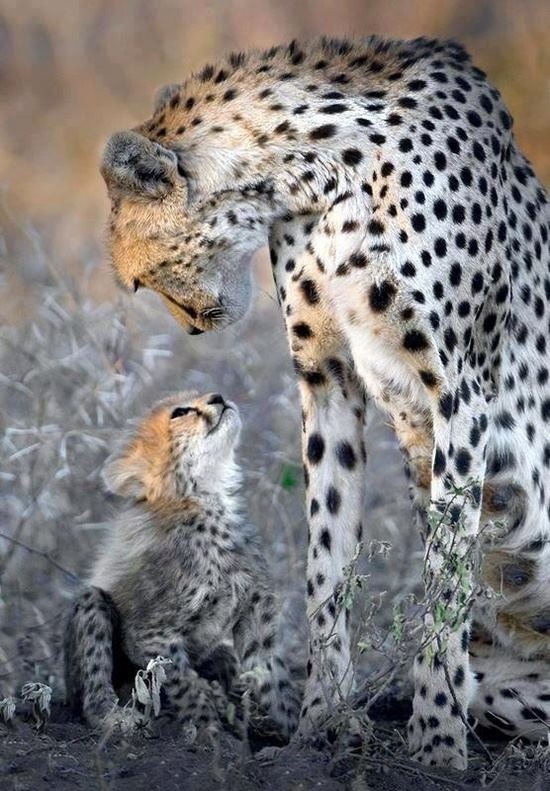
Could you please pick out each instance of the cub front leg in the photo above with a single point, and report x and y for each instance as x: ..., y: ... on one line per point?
x: 200, y: 705
x: 263, y: 671
x: 443, y: 682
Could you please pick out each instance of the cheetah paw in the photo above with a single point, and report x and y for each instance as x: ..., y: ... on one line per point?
x: 437, y: 747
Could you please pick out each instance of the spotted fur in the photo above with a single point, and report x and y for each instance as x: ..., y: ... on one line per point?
x: 181, y: 576
x: 409, y: 244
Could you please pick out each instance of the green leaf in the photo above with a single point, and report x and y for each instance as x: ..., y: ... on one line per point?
x: 290, y: 476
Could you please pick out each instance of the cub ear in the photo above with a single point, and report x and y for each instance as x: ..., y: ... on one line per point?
x: 123, y: 474
x: 166, y: 94
x: 134, y: 166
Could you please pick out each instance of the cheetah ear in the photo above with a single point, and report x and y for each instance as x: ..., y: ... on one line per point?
x: 123, y: 474
x: 136, y: 167
x: 165, y: 95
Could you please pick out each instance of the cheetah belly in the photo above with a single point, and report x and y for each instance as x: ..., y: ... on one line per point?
x: 397, y: 391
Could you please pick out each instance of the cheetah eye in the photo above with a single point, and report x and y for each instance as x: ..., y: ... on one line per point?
x: 137, y: 284
x: 213, y: 313
x: 180, y: 411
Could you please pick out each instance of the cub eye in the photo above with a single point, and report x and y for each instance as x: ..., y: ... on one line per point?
x: 137, y: 284
x: 180, y: 411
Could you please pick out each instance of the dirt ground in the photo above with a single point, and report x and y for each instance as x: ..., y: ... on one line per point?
x: 67, y: 755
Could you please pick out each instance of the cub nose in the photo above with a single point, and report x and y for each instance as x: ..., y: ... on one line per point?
x: 216, y: 399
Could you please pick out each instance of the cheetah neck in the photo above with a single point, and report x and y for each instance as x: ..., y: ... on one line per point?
x: 212, y: 485
x: 306, y: 121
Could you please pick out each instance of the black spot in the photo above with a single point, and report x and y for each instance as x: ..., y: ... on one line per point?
x: 438, y: 462
x: 376, y: 228
x: 415, y: 341
x: 324, y: 539
x: 440, y: 209
x: 533, y: 713
x: 282, y: 127
x: 428, y: 378
x: 459, y: 676
x: 346, y: 455
x: 352, y: 156
x: 381, y: 296
x: 418, y: 222
x: 440, y: 160
x: 323, y: 132
x: 446, y: 405
x: 358, y: 260
x: 474, y: 118
x: 440, y: 247
x: 333, y: 500
x: 331, y: 109
x: 302, y: 330
x: 315, y: 448
x: 310, y: 292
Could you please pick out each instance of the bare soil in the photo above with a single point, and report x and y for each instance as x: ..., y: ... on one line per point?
x: 69, y: 755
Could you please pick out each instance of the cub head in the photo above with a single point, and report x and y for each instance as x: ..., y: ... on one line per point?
x: 175, y: 230
x: 183, y: 447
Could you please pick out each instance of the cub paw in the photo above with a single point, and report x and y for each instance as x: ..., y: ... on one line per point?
x: 202, y: 706
x: 220, y: 665
x: 272, y: 703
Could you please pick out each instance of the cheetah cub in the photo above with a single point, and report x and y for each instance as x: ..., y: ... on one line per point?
x: 181, y: 576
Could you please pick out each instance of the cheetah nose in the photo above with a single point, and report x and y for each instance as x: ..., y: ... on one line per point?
x: 216, y: 399
x: 195, y: 331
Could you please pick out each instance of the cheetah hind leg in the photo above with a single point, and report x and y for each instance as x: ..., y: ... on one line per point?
x: 512, y: 696
x: 91, y: 632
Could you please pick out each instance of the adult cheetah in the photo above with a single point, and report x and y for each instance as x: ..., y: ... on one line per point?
x: 181, y: 576
x: 409, y: 244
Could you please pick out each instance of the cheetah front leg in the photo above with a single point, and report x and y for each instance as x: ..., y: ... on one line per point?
x: 334, y: 464
x: 444, y: 684
x: 333, y: 418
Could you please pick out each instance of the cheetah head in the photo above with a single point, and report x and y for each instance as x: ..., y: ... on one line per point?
x: 191, y: 246
x: 184, y: 446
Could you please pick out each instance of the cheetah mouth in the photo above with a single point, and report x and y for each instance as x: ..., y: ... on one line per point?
x: 221, y: 419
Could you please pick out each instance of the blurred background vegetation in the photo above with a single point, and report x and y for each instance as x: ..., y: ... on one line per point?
x: 78, y: 358
x: 73, y: 72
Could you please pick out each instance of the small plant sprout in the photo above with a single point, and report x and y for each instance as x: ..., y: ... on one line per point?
x: 7, y: 710
x: 40, y: 696
x: 146, y: 691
